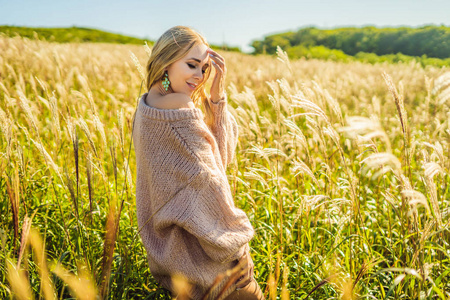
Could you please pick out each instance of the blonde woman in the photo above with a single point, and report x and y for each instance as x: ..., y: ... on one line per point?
x: 187, y: 219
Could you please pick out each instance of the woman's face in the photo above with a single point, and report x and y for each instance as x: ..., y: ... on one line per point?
x: 188, y: 72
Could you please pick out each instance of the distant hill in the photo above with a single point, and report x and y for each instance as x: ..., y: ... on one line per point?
x: 71, y: 34
x: 80, y: 35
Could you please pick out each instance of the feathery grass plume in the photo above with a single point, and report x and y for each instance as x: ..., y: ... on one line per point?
x: 312, y: 108
x: 415, y: 197
x: 147, y: 49
x: 12, y: 72
x: 13, y: 194
x: 121, y: 131
x: 112, y: 151
x: 271, y: 287
x: 44, y: 101
x: 253, y: 174
x: 85, y: 129
x: 398, y: 98
x: 425, y: 234
x: 283, y: 57
x: 245, y: 98
x: 308, y: 204
x: 41, y: 261
x: 284, y: 289
x: 336, y: 108
x: 26, y: 226
x: 98, y: 125
x: 55, y: 117
x: 331, y: 132
x: 5, y: 128
x: 441, y: 83
x: 297, y: 133
x: 129, y: 180
x: 69, y: 184
x: 286, y: 90
x: 18, y: 281
x: 275, y: 100
x: 259, y: 151
x: 82, y: 286
x: 5, y: 90
x: 366, y: 129
x: 376, y: 106
x: 89, y: 179
x: 83, y: 81
x: 432, y: 169
x: 444, y: 96
x: 438, y: 151
x: 428, y: 83
x: 112, y: 228
x: 44, y: 86
x: 24, y: 104
x: 432, y: 192
x: 138, y: 65
x: 47, y: 158
x: 72, y: 131
x: 274, y: 152
x: 412, y: 197
x: 317, y: 135
x: 299, y: 167
x: 384, y: 160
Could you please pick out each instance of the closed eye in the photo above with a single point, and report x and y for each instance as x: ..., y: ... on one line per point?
x: 193, y: 67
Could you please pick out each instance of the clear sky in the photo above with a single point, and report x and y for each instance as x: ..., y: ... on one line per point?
x: 234, y: 22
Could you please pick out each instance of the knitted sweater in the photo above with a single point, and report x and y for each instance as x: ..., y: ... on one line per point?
x: 187, y: 219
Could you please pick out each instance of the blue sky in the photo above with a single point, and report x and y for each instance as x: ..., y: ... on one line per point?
x: 233, y: 22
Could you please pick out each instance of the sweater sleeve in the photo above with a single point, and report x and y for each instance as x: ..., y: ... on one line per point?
x: 225, y: 130
x: 204, y: 207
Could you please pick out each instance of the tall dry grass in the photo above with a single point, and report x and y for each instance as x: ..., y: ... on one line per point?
x: 343, y: 170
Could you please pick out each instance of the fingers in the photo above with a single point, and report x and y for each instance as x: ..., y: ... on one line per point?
x: 217, y: 87
x: 247, y: 266
x: 243, y: 282
x: 217, y: 60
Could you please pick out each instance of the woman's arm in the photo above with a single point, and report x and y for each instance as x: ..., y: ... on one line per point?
x: 225, y: 131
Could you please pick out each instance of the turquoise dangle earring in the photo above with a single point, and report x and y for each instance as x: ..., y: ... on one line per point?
x: 166, y: 81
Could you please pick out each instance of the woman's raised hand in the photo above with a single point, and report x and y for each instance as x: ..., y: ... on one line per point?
x: 217, y: 87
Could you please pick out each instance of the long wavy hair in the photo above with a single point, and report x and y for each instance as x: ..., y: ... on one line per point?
x: 173, y: 45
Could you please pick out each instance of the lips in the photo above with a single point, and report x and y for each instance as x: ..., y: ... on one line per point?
x: 192, y: 86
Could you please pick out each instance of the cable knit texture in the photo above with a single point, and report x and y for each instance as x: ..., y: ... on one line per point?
x: 187, y: 219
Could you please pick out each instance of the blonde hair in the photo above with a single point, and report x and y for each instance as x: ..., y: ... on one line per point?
x: 173, y: 45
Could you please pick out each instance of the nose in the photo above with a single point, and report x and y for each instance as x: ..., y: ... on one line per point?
x: 198, y: 75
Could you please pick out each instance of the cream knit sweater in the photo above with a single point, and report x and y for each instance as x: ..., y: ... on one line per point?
x: 188, y: 222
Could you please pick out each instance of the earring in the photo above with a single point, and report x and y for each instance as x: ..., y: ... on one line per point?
x: 166, y: 81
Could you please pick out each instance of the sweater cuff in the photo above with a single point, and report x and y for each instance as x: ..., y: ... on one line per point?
x: 219, y: 109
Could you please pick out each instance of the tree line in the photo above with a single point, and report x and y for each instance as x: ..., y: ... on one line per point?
x: 427, y: 41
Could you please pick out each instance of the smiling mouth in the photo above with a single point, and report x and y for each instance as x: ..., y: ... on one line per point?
x: 192, y: 86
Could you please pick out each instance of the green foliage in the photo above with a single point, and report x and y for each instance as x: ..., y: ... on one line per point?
x: 404, y: 43
x: 318, y: 52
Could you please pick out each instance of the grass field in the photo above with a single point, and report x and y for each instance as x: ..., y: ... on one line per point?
x: 342, y: 168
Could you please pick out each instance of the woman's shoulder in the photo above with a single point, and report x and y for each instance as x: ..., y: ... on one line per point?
x: 170, y: 101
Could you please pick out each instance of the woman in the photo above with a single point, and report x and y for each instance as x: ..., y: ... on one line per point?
x: 186, y: 214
